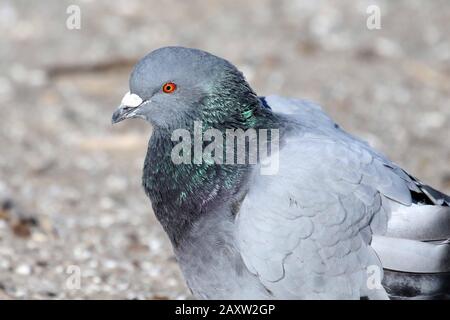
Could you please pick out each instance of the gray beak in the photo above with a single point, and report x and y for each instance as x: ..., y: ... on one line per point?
x: 122, y: 113
x: 128, y: 107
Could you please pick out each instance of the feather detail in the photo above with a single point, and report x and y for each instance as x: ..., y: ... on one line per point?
x: 419, y: 222
x: 412, y: 256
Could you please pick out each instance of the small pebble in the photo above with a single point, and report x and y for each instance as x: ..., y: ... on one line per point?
x: 23, y: 269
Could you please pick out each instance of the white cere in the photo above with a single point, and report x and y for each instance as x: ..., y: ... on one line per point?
x: 131, y: 100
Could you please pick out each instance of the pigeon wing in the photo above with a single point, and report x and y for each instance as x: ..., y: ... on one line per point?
x: 307, y: 231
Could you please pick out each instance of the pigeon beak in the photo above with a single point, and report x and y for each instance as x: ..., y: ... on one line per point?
x: 122, y: 113
x: 127, y: 108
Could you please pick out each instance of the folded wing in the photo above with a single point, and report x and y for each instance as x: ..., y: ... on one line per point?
x: 335, y: 209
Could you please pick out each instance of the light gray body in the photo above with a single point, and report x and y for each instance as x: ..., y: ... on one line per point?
x: 306, y: 232
x: 278, y: 248
x: 212, y: 264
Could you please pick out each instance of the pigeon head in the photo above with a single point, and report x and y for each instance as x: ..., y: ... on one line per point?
x: 174, y: 86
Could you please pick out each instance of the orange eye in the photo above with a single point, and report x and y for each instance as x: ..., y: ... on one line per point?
x: 169, y: 87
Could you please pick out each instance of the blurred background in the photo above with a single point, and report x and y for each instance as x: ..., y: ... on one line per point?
x: 70, y: 193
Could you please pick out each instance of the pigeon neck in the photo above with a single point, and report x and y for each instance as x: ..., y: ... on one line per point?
x: 183, y: 193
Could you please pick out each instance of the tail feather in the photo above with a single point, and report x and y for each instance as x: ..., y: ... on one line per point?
x: 424, y: 194
x: 437, y: 197
x: 401, y: 285
x: 415, y: 250
x: 414, y: 269
x: 419, y: 222
x: 406, y: 255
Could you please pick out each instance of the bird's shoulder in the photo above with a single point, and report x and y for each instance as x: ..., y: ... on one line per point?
x: 309, y: 113
x: 320, y: 153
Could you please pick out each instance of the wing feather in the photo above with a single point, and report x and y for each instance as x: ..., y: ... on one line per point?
x: 307, y: 231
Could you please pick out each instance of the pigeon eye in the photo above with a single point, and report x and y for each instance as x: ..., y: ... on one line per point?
x: 169, y: 87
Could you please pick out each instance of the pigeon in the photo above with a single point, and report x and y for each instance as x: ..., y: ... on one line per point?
x: 334, y: 219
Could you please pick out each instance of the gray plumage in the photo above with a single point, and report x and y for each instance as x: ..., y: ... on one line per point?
x: 335, y: 213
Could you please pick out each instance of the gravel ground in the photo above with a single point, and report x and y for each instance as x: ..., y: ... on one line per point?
x: 70, y: 196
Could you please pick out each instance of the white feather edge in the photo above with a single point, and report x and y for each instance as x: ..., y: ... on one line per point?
x: 131, y: 100
x: 412, y: 256
x: 419, y: 222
